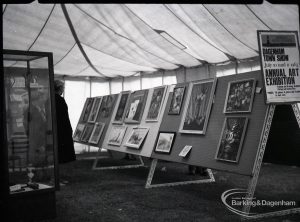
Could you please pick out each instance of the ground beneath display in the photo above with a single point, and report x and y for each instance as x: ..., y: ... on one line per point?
x: 120, y: 195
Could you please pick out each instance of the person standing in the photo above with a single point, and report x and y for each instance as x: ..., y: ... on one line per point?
x: 65, y: 144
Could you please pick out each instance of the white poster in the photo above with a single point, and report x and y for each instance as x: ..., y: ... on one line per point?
x: 279, y: 52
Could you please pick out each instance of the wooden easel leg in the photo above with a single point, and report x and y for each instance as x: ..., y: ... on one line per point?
x: 151, y: 173
x: 96, y: 159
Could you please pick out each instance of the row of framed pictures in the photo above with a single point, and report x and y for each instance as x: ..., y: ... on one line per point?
x: 229, y: 146
x: 88, y: 132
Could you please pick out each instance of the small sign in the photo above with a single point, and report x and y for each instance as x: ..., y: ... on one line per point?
x: 185, y: 151
x: 279, y: 53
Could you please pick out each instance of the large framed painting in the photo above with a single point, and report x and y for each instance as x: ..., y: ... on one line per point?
x: 164, y: 142
x: 87, y: 109
x: 116, y: 135
x: 136, y: 137
x: 156, y: 103
x: 87, y: 132
x: 95, y: 109
x: 197, y: 107
x: 176, y: 101
x: 96, y: 133
x: 135, y: 108
x: 231, y: 140
x: 120, y: 114
x: 239, y: 97
x: 106, y: 107
x: 78, y: 132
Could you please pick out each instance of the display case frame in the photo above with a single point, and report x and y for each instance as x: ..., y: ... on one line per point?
x: 44, y: 196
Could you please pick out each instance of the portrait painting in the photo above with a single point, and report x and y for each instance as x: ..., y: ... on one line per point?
x: 96, y: 133
x: 136, y: 137
x: 95, y: 109
x: 176, y: 100
x: 164, y: 142
x: 120, y: 114
x: 78, y: 132
x: 231, y: 140
x: 135, y: 108
x: 106, y: 107
x: 156, y: 103
x: 239, y: 97
x: 86, y: 109
x: 116, y: 135
x: 87, y: 132
x: 197, y: 107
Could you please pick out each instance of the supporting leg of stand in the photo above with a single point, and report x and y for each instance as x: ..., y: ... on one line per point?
x: 151, y: 174
x: 141, y: 164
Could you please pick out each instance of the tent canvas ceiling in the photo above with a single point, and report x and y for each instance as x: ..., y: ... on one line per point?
x: 112, y: 40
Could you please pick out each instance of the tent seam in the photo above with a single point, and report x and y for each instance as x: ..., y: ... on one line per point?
x: 42, y: 27
x: 258, y: 17
x: 65, y: 54
x: 229, y: 31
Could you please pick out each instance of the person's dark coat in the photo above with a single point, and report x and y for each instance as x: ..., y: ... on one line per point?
x: 65, y: 144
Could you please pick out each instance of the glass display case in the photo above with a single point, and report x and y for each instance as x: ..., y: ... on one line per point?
x: 29, y: 124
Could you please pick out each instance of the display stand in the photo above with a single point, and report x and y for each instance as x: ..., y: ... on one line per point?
x: 141, y: 164
x: 151, y: 174
x: 256, y: 169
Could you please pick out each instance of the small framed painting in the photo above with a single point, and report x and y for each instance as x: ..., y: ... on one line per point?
x: 176, y: 100
x: 135, y: 108
x: 197, y: 107
x: 156, y: 103
x: 78, y: 132
x: 96, y: 133
x: 136, y: 137
x: 87, y: 132
x: 164, y: 142
x: 116, y: 135
x: 232, y: 137
x: 120, y: 114
x: 106, y: 107
x: 95, y: 109
x: 240, y: 96
x: 86, y: 109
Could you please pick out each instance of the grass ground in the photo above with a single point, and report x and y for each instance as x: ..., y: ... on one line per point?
x: 120, y: 195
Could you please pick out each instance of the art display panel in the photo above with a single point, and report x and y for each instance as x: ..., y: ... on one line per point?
x: 116, y: 135
x: 120, y: 114
x: 96, y: 133
x: 95, y: 109
x: 136, y: 137
x: 155, y: 104
x: 231, y: 140
x: 176, y: 101
x: 197, y: 107
x: 240, y: 95
x: 135, y: 107
x: 164, y: 142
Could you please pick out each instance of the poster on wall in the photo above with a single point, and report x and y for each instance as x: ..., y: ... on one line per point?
x: 134, y: 110
x: 96, y: 133
x: 176, y: 101
x: 116, y: 135
x: 197, y: 107
x: 156, y: 102
x: 106, y: 107
x: 239, y: 97
x: 279, y: 53
x: 87, y: 108
x: 87, y: 132
x: 231, y: 140
x: 95, y: 109
x: 120, y: 114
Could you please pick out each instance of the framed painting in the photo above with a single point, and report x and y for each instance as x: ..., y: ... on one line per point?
x: 136, y: 137
x: 96, y: 133
x: 116, y: 135
x: 156, y: 103
x: 239, y: 97
x: 231, y: 140
x: 95, y: 109
x: 87, y: 132
x: 176, y: 101
x: 164, y: 142
x: 86, y: 109
x: 106, y: 107
x: 135, y: 108
x: 78, y: 132
x: 120, y: 114
x: 197, y: 107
